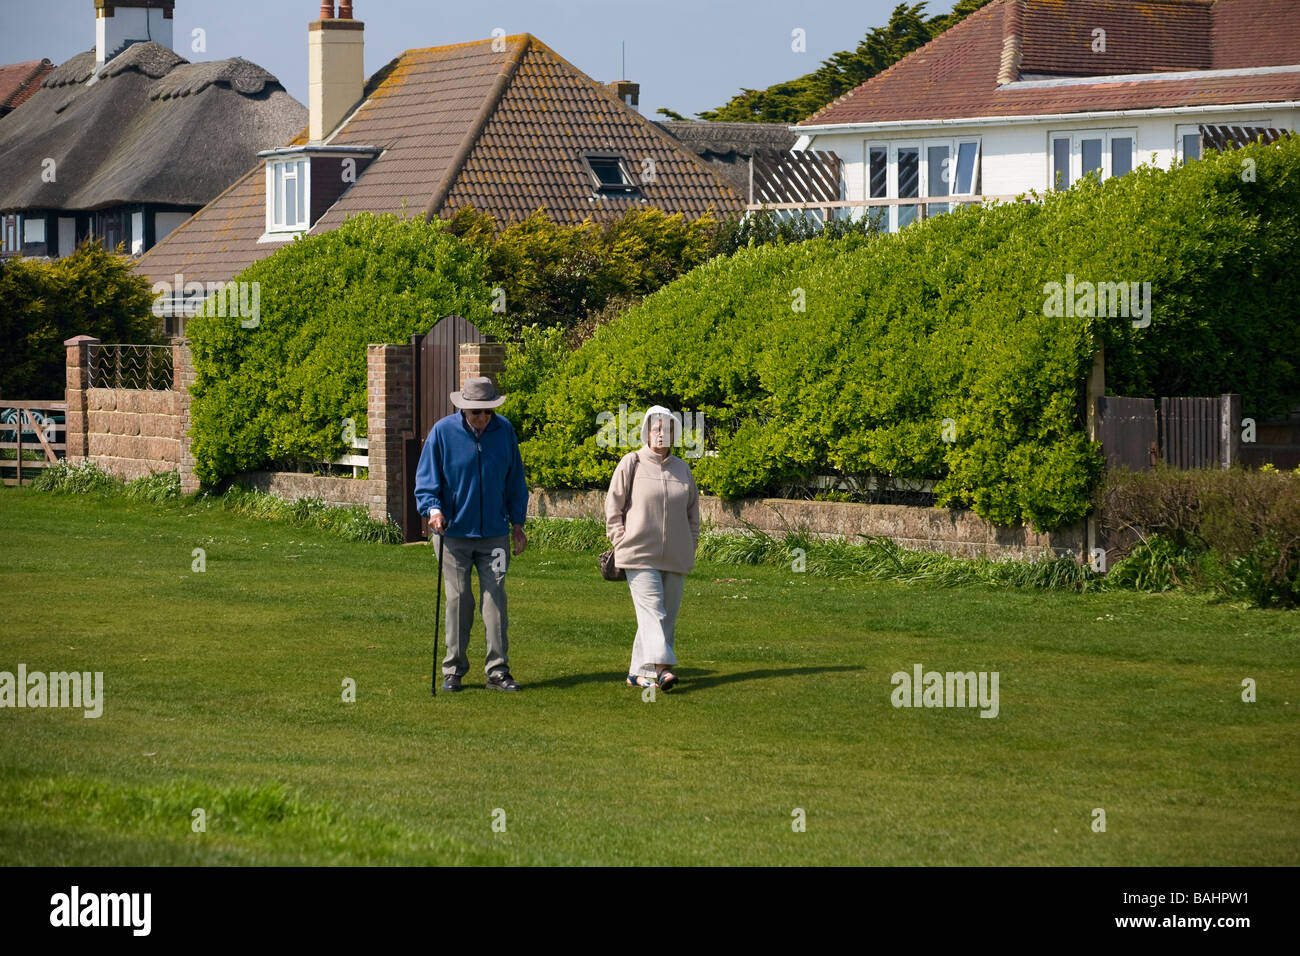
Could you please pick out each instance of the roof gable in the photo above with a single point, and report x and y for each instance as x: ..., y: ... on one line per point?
x: 529, y: 154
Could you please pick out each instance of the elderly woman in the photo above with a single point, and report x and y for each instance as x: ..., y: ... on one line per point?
x: 652, y: 517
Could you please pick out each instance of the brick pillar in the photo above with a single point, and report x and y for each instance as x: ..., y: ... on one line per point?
x: 389, y: 385
x: 481, y: 358
x: 182, y: 379
x: 76, y: 383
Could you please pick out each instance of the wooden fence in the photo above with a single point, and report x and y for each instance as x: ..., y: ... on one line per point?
x: 1187, y: 433
x: 27, y: 428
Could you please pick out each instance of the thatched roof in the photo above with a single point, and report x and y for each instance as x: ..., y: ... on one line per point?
x: 150, y: 127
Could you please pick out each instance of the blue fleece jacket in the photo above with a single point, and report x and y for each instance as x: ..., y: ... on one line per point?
x: 477, y: 482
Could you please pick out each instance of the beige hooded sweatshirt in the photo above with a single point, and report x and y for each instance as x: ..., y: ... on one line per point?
x: 662, y: 527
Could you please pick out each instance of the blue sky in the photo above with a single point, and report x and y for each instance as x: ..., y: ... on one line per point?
x: 688, y: 55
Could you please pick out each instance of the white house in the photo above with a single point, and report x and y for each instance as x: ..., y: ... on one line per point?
x: 1029, y: 94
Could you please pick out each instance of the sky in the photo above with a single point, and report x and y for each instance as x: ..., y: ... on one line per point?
x: 688, y: 55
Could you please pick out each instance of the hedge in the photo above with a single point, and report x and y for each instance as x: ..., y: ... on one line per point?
x: 949, y: 319
x: 280, y: 391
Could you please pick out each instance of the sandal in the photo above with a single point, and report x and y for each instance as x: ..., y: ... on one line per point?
x: 636, y: 680
x: 667, y: 680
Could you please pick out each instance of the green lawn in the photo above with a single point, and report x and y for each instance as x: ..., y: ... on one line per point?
x: 223, y: 692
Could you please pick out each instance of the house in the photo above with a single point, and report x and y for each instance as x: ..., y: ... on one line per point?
x: 1034, y: 94
x: 126, y: 141
x: 504, y: 124
x: 18, y: 81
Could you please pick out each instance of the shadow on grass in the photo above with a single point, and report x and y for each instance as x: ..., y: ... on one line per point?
x: 692, y: 678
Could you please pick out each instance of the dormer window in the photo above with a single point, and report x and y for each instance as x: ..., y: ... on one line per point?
x: 303, y: 182
x: 609, y: 174
x: 288, y: 191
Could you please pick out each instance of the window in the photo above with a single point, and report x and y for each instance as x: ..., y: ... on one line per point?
x: 288, y: 188
x: 907, y: 162
x: 877, y: 184
x: 930, y: 168
x: 1078, y: 153
x: 1189, y: 143
x: 609, y: 174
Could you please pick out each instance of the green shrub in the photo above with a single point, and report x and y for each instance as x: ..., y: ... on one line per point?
x: 947, y: 321
x: 43, y: 304
x: 281, y: 391
x: 1237, y: 531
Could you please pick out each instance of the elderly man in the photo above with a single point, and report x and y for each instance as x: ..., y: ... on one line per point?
x: 470, y: 482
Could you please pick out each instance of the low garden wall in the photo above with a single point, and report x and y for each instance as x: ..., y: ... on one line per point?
x: 130, y: 432
x: 960, y: 533
x: 337, y: 492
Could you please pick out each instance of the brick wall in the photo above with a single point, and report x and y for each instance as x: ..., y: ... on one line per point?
x: 481, y: 359
x: 389, y: 384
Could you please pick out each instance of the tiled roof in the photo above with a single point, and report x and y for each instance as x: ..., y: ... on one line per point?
x: 502, y: 129
x: 1000, y: 61
x: 18, y: 81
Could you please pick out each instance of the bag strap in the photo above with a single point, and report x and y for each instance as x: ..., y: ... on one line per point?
x: 630, y: 479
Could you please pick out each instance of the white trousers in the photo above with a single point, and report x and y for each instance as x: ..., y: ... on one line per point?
x: 657, y: 596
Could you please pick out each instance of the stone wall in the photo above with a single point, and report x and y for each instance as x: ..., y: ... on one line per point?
x: 130, y: 432
x: 338, y: 492
x: 961, y: 533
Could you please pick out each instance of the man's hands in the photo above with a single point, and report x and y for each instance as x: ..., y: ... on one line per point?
x: 438, y: 523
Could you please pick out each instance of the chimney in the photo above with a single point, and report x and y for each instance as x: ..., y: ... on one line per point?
x: 335, y: 66
x: 119, y: 23
x: 628, y: 92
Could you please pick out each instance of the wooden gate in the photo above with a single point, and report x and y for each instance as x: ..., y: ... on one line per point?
x: 1127, y: 430
x: 44, y: 422
x: 435, y: 370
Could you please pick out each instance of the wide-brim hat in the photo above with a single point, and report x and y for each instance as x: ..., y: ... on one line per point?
x: 478, y: 392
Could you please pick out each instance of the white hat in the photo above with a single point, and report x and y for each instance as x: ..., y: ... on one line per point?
x: 645, y: 422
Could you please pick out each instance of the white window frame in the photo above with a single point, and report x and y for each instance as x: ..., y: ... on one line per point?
x: 275, y: 220
x: 922, y: 146
x: 1076, y: 137
x: 1186, y: 130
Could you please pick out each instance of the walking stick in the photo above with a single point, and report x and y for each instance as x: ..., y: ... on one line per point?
x: 437, y: 620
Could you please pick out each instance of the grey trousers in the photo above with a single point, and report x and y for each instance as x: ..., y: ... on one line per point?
x: 657, y: 597
x: 460, y: 556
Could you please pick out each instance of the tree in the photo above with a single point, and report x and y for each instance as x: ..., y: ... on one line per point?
x: 793, y: 100
x: 42, y: 304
